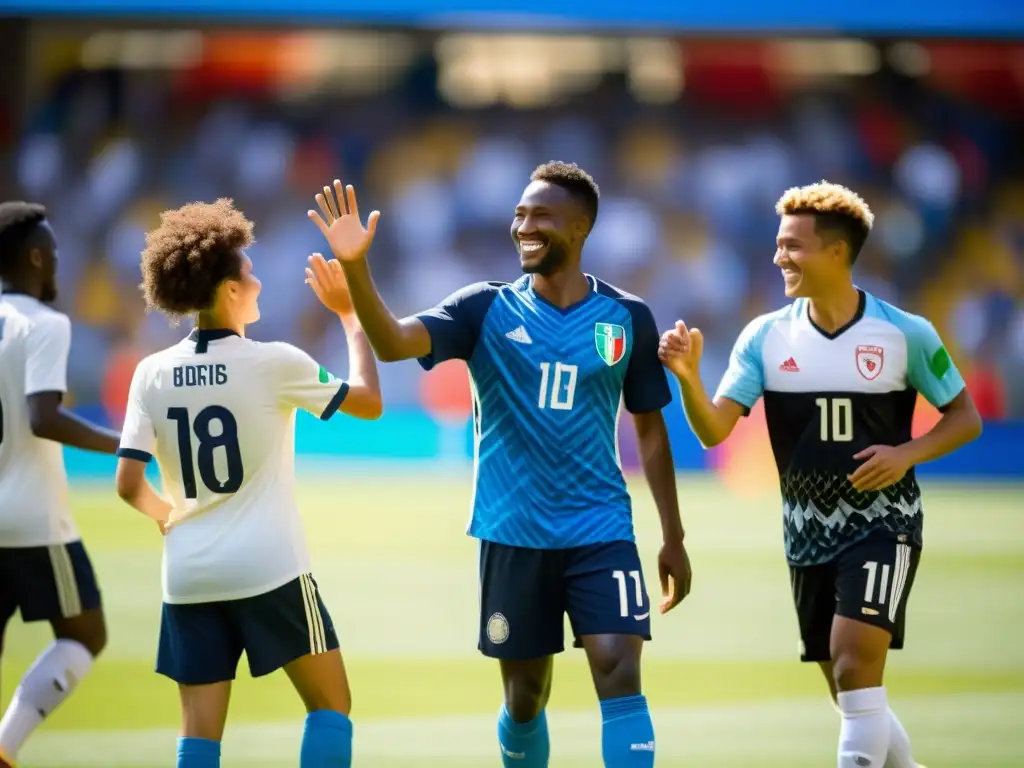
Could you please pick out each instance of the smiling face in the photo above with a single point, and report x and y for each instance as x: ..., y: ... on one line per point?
x: 810, y: 264
x: 548, y: 228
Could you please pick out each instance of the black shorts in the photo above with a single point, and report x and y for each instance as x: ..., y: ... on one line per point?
x: 47, y: 583
x: 869, y: 581
x: 526, y: 593
x: 201, y: 643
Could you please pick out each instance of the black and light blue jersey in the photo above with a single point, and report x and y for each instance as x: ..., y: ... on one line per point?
x: 828, y: 396
x: 547, y: 384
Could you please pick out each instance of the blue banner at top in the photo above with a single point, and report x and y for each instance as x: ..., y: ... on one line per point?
x: 946, y: 18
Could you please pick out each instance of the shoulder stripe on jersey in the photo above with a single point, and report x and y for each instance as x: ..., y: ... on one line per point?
x: 314, y: 621
x: 64, y: 578
x: 336, y: 401
x: 137, y: 455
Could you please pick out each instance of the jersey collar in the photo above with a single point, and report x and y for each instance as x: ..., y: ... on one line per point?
x: 203, y: 336
x: 861, y: 306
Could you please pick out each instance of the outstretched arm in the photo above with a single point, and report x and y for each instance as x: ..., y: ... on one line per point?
x: 51, y: 421
x: 392, y: 339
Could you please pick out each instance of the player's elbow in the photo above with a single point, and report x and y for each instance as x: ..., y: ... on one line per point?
x: 128, y: 479
x: 43, y: 424
x: 364, y: 404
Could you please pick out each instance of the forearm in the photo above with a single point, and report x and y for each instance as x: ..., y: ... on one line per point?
x: 659, y: 470
x: 382, y: 329
x: 63, y: 426
x: 955, y: 428
x: 708, y: 421
x: 144, y: 498
x: 364, y: 398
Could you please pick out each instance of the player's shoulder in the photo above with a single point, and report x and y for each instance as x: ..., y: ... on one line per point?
x: 913, y: 327
x: 276, y: 351
x: 754, y: 332
x: 632, y: 303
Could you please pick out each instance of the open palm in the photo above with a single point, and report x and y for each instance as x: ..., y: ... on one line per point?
x: 340, y: 224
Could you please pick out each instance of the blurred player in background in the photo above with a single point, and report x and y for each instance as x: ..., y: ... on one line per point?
x: 44, y: 569
x: 551, y: 357
x: 840, y: 372
x: 218, y: 411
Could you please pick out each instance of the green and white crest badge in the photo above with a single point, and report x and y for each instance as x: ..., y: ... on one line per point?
x: 611, y: 342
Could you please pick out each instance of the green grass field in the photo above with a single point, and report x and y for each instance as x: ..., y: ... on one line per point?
x: 722, y: 678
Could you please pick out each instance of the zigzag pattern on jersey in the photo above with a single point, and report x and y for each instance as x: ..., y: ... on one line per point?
x: 546, y: 477
x: 814, y: 536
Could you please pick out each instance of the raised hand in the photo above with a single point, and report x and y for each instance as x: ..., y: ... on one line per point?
x: 327, y: 279
x: 340, y: 224
x: 680, y: 351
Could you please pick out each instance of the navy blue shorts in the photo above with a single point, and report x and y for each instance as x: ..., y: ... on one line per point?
x: 526, y: 593
x: 46, y: 583
x: 201, y: 643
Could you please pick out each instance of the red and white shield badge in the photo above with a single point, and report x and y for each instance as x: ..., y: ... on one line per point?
x: 869, y: 361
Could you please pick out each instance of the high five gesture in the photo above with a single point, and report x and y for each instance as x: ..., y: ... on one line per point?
x: 340, y: 223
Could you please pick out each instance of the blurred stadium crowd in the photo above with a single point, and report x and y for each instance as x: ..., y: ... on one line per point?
x: 690, y: 165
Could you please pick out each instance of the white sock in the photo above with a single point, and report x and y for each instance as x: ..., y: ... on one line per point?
x: 49, y: 681
x: 900, y: 754
x: 864, y: 733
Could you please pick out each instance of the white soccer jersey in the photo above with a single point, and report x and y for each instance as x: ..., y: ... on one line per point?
x: 218, y: 412
x: 828, y: 396
x: 34, y: 345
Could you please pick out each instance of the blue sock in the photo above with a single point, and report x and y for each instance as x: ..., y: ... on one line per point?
x: 326, y: 740
x: 523, y: 745
x: 627, y: 733
x: 198, y: 753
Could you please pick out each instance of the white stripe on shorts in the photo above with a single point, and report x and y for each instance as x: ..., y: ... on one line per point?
x: 314, y: 621
x: 64, y: 577
x: 899, y: 579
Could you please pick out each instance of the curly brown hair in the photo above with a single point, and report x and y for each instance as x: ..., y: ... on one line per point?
x: 195, y: 249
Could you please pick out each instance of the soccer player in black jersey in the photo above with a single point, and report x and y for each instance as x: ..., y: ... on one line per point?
x: 840, y: 372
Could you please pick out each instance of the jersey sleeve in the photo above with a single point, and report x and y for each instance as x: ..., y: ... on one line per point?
x: 646, y: 386
x: 138, y: 437
x: 454, y: 324
x: 304, y: 383
x: 47, y: 347
x: 743, y: 381
x: 930, y: 370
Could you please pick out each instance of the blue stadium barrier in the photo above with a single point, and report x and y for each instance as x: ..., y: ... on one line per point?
x: 411, y: 435
x: 999, y: 18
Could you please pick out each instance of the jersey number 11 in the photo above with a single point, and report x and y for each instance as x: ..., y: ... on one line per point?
x: 227, y: 438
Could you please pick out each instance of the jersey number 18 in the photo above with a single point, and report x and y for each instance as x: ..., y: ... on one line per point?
x: 227, y: 438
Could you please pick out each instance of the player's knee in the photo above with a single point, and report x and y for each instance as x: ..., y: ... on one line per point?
x: 854, y: 668
x: 88, y: 629
x: 616, y: 673
x: 526, y: 697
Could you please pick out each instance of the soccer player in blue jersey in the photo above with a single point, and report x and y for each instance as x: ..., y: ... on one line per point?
x: 550, y: 356
x: 840, y: 372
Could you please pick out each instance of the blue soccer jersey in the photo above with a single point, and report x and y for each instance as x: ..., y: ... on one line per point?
x: 547, y: 383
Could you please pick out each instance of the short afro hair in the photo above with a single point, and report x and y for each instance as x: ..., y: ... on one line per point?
x: 839, y: 213
x: 195, y: 249
x: 19, y: 221
x: 574, y: 180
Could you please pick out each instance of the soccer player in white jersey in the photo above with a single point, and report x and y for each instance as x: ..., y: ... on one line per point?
x: 840, y: 372
x: 218, y: 413
x: 44, y: 569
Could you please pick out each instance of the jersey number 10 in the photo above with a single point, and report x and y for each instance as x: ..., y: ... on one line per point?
x: 836, y: 417
x: 558, y: 379
x: 227, y: 438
